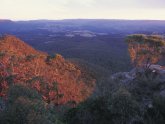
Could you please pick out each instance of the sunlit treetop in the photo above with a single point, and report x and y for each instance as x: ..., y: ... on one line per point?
x: 57, y: 80
x: 145, y: 50
x: 155, y: 40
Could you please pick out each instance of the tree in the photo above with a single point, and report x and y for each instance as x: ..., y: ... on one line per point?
x: 145, y: 50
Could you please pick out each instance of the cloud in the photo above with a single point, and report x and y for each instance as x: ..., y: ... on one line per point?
x: 57, y: 9
x: 154, y: 4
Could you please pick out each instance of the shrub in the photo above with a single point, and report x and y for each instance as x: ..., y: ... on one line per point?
x: 16, y: 91
x: 123, y: 107
x: 93, y: 111
x: 118, y: 108
x: 26, y: 107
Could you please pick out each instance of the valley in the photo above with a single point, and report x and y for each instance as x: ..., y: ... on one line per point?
x: 83, y: 40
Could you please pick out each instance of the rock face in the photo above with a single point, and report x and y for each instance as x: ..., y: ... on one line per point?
x: 162, y: 93
x: 158, y: 68
x: 126, y: 77
x: 57, y: 80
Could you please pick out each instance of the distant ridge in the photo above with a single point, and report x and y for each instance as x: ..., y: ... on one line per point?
x: 5, y: 20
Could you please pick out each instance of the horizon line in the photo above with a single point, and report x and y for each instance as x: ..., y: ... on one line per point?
x: 124, y: 19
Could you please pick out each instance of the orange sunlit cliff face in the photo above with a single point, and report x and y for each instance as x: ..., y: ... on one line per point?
x: 56, y: 79
x: 145, y: 49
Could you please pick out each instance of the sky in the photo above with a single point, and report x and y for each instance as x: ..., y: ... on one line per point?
x: 82, y: 9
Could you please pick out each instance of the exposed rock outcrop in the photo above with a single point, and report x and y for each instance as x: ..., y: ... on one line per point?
x: 154, y: 70
x: 144, y: 84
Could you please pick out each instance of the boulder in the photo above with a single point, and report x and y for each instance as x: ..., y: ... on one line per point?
x: 162, y: 93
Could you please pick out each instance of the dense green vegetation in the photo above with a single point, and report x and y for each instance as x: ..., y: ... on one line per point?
x: 25, y: 106
x: 113, y: 102
x: 134, y: 103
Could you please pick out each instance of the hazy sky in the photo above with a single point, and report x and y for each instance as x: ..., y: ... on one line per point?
x: 64, y: 9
